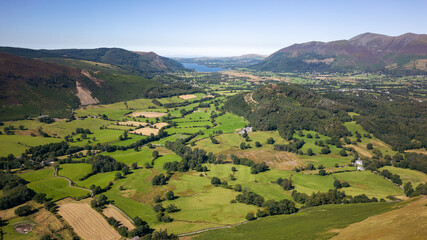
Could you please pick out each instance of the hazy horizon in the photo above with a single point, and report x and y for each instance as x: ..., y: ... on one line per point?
x: 202, y: 29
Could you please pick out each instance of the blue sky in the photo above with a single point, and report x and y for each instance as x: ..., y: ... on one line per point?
x: 200, y: 28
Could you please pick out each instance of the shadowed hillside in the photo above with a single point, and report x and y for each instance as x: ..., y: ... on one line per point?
x: 144, y: 64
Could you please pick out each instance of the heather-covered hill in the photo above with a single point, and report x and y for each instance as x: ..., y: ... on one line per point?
x: 406, y: 53
x: 144, y: 64
x: 31, y: 87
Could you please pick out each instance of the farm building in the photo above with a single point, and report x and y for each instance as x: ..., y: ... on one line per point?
x: 246, y: 129
x: 359, y: 165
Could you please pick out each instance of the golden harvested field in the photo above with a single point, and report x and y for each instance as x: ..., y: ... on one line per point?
x: 86, y: 222
x: 110, y: 211
x: 274, y: 159
x: 132, y: 123
x: 188, y: 96
x: 146, y: 131
x: 148, y: 114
x: 160, y: 125
x: 408, y: 222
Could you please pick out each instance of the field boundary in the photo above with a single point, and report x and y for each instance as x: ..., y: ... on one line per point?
x: 211, y: 228
x: 123, y: 213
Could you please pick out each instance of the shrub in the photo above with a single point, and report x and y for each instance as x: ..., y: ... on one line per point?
x: 158, y: 208
x: 23, y: 211
x: 215, y: 181
x: 250, y: 216
x: 170, y: 195
x: 270, y: 140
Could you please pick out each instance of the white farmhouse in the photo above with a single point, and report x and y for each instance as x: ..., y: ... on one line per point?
x: 359, y: 165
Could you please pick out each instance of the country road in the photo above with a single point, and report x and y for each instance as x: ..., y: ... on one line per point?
x: 70, y: 183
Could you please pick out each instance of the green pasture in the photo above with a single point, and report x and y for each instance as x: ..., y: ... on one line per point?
x: 313, y: 223
x: 371, y: 184
x: 62, y: 129
x: 99, y: 179
x: 56, y: 188
x: 17, y: 144
x: 407, y: 175
x: 74, y: 171
x: 32, y: 176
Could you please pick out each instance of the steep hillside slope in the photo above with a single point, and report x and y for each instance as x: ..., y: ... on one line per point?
x: 366, y: 52
x: 144, y: 64
x: 31, y: 87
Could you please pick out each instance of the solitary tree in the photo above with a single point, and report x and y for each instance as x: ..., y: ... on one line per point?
x: 337, y: 184
x: 135, y: 165
x: 118, y: 176
x: 270, y: 140
x: 343, y: 153
x: 408, y: 189
x: 215, y: 181
x: 322, y: 172
x: 250, y: 216
x: 170, y: 195
x: 155, y: 154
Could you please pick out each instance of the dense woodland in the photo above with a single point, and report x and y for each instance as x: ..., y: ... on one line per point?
x: 288, y: 108
x: 402, y: 123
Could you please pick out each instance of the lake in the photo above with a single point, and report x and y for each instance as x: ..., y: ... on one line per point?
x: 203, y: 68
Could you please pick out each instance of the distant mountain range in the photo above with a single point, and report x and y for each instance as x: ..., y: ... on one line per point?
x: 406, y: 53
x: 225, y: 62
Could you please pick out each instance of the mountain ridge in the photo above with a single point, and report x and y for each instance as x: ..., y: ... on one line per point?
x: 144, y: 64
x: 366, y: 52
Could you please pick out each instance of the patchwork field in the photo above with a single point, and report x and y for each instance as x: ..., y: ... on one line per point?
x: 204, y: 124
